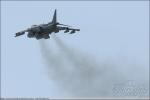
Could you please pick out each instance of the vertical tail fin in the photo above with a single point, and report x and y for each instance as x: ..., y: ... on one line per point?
x: 55, y: 17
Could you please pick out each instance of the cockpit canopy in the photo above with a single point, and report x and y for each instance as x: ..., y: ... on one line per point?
x: 33, y: 26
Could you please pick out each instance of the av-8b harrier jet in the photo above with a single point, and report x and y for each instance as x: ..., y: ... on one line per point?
x: 44, y: 30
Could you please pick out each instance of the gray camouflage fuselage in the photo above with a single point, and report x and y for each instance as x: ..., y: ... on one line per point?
x: 43, y: 30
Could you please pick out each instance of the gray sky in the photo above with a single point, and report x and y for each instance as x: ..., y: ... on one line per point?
x: 110, y: 31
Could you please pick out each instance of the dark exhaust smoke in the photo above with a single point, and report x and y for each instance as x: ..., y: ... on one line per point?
x: 77, y: 73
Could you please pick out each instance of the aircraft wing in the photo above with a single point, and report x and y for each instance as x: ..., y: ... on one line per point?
x: 34, y: 28
x: 67, y: 29
x: 20, y: 33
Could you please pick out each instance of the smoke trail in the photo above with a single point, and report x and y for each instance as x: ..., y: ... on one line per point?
x: 78, y: 73
x: 82, y: 75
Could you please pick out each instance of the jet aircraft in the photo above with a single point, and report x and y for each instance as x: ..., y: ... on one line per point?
x: 44, y: 30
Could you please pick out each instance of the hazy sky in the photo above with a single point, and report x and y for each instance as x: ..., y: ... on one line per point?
x: 114, y: 31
